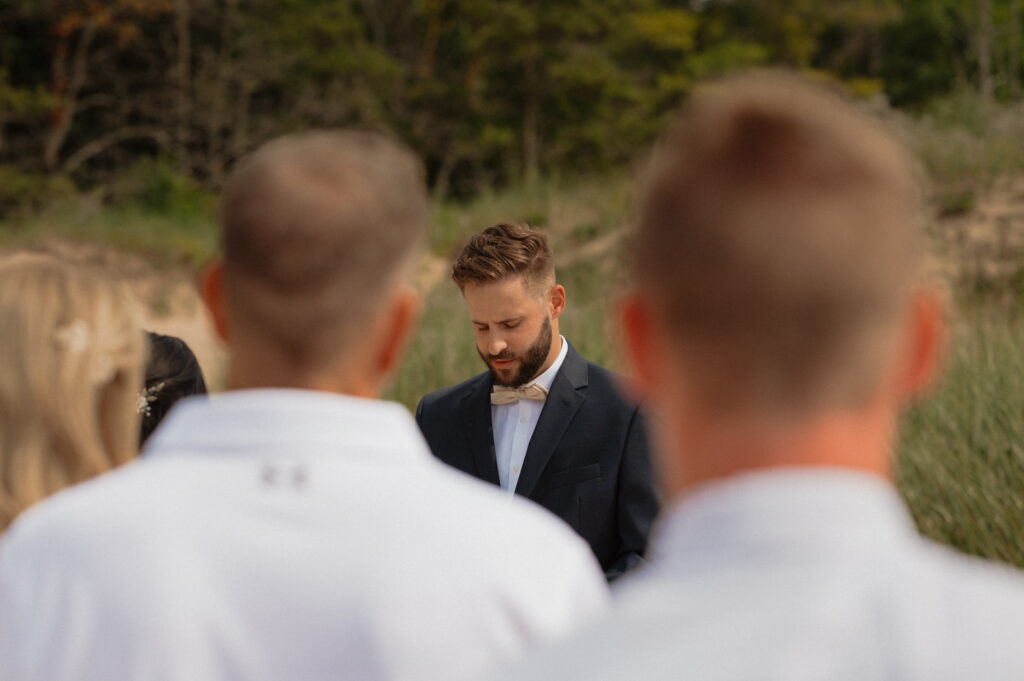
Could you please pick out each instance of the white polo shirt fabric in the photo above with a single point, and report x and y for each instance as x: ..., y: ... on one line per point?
x: 513, y: 426
x: 284, y: 534
x: 798, y: 575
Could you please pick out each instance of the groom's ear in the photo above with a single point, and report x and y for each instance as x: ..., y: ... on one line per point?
x: 556, y: 301
x: 213, y: 296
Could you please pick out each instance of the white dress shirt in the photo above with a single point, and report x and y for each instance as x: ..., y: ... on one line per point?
x: 513, y: 426
x: 283, y: 534
x: 798, y: 575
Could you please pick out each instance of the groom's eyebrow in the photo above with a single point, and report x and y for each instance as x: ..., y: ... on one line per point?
x: 502, y: 321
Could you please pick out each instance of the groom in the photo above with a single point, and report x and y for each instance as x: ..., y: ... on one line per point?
x: 544, y: 422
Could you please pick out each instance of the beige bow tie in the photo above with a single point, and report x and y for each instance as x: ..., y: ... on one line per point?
x: 503, y: 395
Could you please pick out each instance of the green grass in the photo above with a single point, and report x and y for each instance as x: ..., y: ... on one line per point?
x: 182, y: 237
x: 961, y: 463
x: 441, y: 353
x: 573, y: 211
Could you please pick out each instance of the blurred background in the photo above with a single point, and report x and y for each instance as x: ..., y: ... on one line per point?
x: 119, y: 120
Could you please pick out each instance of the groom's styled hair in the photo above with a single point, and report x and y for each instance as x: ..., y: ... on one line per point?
x: 506, y: 249
x: 316, y: 229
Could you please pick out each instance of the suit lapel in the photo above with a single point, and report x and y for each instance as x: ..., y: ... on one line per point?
x: 476, y: 416
x: 564, y: 400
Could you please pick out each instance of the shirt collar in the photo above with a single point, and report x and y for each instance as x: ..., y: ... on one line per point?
x: 284, y: 420
x: 548, y: 377
x: 784, y: 507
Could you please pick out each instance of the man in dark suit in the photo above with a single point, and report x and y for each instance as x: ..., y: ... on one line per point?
x: 543, y: 422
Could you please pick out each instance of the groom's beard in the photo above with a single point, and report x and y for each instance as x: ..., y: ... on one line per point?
x: 530, y: 361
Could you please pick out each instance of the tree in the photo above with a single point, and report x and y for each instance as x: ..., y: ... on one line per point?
x: 486, y: 92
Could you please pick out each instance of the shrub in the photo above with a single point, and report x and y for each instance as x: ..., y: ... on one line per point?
x: 23, y: 193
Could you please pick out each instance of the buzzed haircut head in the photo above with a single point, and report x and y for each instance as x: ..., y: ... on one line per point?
x: 503, y: 250
x: 779, y: 238
x: 316, y: 227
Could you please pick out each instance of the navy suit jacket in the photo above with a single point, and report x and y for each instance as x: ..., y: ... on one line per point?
x: 587, y: 461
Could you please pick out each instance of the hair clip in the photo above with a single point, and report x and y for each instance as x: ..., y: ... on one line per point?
x: 147, y: 397
x: 76, y: 337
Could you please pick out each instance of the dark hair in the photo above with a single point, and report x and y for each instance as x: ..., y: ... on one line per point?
x: 171, y: 374
x: 503, y: 250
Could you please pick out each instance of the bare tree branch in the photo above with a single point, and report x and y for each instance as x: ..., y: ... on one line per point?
x: 95, y: 99
x: 1013, y: 56
x: 79, y: 65
x: 101, y: 144
x: 983, y: 42
x: 183, y: 78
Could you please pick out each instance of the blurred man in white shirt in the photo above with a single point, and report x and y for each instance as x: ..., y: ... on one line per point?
x: 295, y: 527
x: 779, y: 325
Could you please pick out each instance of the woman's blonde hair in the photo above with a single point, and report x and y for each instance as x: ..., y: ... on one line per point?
x: 71, y: 357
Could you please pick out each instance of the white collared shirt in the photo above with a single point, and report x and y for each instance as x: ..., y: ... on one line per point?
x: 798, y: 575
x: 513, y: 426
x: 283, y: 534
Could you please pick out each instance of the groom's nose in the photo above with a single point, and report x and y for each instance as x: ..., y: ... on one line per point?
x: 496, y: 345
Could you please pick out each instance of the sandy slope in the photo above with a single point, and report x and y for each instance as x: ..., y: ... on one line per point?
x: 986, y: 245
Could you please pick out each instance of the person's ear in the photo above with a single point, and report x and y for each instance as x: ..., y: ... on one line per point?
x: 213, y: 296
x: 403, y: 315
x: 556, y: 301
x: 926, y: 341
x: 638, y: 336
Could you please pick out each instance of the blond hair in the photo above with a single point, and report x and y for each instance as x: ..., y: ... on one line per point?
x: 315, y: 226
x: 70, y: 372
x: 779, y: 238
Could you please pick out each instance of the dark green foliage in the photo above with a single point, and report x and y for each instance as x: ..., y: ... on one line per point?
x: 155, y: 185
x: 923, y: 53
x: 24, y: 192
x: 489, y: 93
